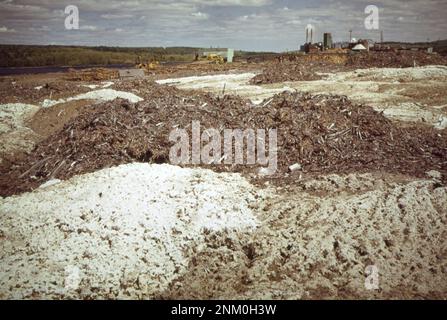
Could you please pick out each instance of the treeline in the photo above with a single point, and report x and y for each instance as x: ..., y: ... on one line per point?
x: 439, y: 46
x: 36, y: 56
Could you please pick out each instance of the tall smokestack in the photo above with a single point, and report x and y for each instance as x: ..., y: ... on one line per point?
x: 309, y: 33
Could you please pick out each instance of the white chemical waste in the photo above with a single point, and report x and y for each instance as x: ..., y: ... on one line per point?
x: 90, y: 86
x: 13, y: 115
x: 237, y: 84
x: 105, y: 84
x: 377, y: 87
x: 117, y: 233
x: 408, y: 74
x: 14, y: 134
x: 101, y: 95
x: 442, y: 123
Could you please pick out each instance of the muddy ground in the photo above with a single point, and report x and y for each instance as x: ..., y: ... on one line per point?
x: 371, y: 190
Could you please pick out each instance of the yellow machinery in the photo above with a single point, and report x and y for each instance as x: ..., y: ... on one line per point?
x: 148, y: 66
x: 215, y: 58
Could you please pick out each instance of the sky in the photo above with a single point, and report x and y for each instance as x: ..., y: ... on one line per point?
x: 258, y: 25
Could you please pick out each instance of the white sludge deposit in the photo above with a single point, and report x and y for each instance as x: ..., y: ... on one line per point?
x: 122, y: 232
x: 101, y: 95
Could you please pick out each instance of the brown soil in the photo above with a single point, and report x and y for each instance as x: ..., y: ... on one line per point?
x: 400, y: 59
x: 325, y: 134
x: 199, y: 68
x: 48, y: 121
x: 431, y: 94
x: 95, y: 74
x: 289, y: 72
x: 317, y: 247
x: 15, y: 90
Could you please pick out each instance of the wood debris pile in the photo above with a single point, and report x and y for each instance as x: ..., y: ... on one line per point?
x: 324, y: 134
x: 311, y: 67
x: 95, y: 74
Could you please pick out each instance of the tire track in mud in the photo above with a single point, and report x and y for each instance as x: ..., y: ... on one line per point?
x: 318, y: 247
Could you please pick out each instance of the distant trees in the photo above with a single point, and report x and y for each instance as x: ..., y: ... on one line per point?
x: 36, y: 56
x: 39, y: 56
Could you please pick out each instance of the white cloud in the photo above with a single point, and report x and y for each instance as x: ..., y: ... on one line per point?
x: 42, y: 28
x: 116, y: 16
x: 58, y: 12
x: 4, y: 29
x: 200, y: 15
x: 248, y: 24
x: 294, y: 22
x: 242, y: 3
x: 87, y: 27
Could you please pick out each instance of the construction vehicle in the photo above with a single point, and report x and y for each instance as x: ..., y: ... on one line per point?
x: 218, y: 59
x: 209, y: 58
x: 148, y: 66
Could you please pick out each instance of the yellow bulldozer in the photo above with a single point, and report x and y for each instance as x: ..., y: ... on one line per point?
x: 215, y: 58
x: 148, y: 66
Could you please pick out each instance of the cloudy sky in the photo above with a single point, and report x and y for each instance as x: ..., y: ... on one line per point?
x: 274, y: 25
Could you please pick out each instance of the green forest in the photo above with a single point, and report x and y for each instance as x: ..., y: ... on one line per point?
x: 37, y: 56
